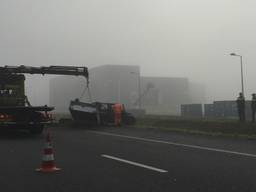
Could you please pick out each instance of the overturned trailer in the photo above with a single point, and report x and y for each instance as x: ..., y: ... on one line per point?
x: 97, y: 113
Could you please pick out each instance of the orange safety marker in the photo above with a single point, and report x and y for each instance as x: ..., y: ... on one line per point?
x: 48, y: 164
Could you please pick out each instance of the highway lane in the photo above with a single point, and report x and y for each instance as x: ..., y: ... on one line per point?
x: 226, y: 143
x: 82, y: 156
x: 192, y: 168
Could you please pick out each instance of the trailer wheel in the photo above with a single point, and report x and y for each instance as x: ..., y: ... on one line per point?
x: 36, y: 129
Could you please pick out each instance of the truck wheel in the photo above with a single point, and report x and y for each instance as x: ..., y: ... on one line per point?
x: 36, y: 129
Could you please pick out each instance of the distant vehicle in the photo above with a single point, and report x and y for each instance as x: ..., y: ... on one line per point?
x: 97, y: 113
x: 15, y: 109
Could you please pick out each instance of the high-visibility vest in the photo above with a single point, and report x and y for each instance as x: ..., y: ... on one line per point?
x: 117, y: 108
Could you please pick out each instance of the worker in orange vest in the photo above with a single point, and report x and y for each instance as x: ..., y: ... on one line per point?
x: 117, y: 108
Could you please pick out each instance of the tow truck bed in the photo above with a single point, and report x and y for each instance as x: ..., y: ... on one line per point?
x: 10, y: 109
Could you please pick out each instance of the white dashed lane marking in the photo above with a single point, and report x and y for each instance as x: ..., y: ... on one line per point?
x: 134, y: 163
x: 176, y: 144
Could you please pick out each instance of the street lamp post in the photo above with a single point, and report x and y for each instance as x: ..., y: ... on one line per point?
x: 139, y: 88
x: 242, y: 76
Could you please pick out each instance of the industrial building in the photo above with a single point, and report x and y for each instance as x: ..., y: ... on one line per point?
x: 124, y: 84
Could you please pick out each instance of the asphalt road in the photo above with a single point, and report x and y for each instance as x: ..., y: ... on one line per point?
x: 122, y: 159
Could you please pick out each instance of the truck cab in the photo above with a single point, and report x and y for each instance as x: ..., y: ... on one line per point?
x: 12, y: 91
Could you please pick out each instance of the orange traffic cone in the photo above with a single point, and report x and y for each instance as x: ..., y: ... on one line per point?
x: 48, y: 164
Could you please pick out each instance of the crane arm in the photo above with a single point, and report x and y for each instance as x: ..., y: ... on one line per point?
x: 55, y: 70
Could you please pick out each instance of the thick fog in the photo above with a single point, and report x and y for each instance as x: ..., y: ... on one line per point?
x: 176, y: 38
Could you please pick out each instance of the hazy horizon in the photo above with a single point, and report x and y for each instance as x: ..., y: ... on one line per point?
x: 170, y: 38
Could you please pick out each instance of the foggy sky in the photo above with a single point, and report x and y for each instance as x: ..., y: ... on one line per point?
x: 180, y: 38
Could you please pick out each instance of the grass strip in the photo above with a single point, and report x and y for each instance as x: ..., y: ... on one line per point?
x: 231, y: 128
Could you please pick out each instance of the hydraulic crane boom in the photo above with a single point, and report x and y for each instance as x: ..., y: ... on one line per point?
x: 56, y: 70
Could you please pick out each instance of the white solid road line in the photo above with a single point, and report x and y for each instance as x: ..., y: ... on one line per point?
x: 176, y: 144
x: 134, y: 163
